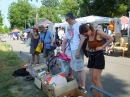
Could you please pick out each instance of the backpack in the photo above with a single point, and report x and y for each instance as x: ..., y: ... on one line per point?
x: 20, y: 72
x: 84, y: 47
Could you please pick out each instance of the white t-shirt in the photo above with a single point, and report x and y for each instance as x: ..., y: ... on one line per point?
x: 25, y: 35
x: 60, y: 34
x: 73, y: 36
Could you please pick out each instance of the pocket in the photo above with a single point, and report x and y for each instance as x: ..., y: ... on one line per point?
x: 79, y: 65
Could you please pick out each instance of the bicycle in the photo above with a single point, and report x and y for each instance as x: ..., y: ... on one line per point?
x: 53, y: 63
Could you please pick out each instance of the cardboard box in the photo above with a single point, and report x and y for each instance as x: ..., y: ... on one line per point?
x: 74, y: 93
x: 60, y: 89
x: 39, y: 67
x: 58, y: 79
x: 37, y: 80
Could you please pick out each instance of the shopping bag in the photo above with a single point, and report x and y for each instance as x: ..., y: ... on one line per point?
x: 39, y: 47
x: 28, y: 42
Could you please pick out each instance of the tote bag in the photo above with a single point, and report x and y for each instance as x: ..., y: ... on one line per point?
x: 28, y: 42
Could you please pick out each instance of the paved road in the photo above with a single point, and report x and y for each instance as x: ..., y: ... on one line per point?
x: 115, y: 77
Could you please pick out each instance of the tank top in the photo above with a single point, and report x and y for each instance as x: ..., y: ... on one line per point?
x: 95, y: 43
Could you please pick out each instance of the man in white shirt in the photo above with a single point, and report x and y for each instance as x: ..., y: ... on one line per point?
x: 77, y: 60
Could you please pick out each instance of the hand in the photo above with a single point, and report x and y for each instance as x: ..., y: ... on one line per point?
x: 63, y: 53
x: 51, y: 44
x: 99, y: 48
x: 77, y: 55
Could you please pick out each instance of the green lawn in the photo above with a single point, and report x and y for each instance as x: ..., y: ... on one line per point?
x: 14, y: 86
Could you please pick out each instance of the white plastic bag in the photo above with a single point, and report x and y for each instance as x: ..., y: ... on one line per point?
x: 28, y: 42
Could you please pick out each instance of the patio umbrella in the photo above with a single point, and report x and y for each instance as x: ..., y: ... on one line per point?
x: 124, y: 20
x: 16, y: 30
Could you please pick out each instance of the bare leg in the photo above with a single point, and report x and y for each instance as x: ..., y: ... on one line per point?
x: 91, y: 74
x: 33, y: 58
x: 95, y: 75
x: 82, y: 78
x: 71, y: 73
x: 38, y: 58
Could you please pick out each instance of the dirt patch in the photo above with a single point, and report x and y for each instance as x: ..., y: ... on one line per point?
x: 26, y: 89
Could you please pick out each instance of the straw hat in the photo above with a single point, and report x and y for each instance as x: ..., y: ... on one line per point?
x: 35, y: 27
x: 41, y: 27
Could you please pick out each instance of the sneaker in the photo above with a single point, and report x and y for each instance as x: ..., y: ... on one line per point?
x: 83, y: 90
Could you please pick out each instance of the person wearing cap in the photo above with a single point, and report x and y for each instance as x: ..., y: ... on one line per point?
x: 34, y: 42
x: 47, y: 38
x: 77, y: 59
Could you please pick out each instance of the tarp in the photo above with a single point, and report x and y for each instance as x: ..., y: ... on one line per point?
x: 45, y: 22
x: 27, y: 30
x: 124, y: 20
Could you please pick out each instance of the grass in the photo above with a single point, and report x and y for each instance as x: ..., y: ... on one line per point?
x: 12, y: 86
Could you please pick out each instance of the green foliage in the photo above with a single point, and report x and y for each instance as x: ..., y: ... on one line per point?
x: 19, y: 13
x: 49, y: 10
x: 6, y: 29
x: 68, y: 6
x: 1, y: 22
x: 50, y: 3
x: 109, y: 8
x: 49, y: 13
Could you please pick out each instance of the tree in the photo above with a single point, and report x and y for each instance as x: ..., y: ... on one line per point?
x: 19, y: 14
x: 50, y: 3
x: 1, y: 22
x: 6, y: 29
x: 49, y: 13
x: 69, y: 6
x: 108, y: 8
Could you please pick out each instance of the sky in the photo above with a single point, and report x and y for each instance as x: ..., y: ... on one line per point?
x: 4, y: 4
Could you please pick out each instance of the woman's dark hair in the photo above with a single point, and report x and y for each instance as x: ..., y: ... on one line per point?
x: 85, y: 27
x: 35, y: 29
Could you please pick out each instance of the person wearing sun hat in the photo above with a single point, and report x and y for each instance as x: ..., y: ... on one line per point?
x: 47, y: 38
x: 34, y: 42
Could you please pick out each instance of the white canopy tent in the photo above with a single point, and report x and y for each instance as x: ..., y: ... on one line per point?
x: 95, y: 20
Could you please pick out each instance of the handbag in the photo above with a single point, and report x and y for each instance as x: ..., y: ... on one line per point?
x: 84, y: 47
x: 28, y: 42
x: 39, y: 47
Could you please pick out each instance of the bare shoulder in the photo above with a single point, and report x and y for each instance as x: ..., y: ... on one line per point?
x: 99, y: 34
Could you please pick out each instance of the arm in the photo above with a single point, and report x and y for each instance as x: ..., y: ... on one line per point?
x: 52, y: 41
x: 64, y: 45
x: 105, y: 36
x: 82, y: 38
x: 36, y: 36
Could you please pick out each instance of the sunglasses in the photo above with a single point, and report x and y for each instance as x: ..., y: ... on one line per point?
x: 67, y: 18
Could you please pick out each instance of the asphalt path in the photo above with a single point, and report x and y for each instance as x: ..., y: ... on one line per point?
x: 115, y: 77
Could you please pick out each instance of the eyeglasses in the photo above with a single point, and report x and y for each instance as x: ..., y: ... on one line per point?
x: 67, y: 18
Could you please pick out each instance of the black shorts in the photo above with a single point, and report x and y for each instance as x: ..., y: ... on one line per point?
x: 97, y: 62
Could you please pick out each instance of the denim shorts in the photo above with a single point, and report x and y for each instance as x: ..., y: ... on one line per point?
x: 77, y: 64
